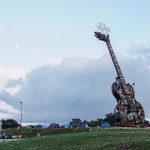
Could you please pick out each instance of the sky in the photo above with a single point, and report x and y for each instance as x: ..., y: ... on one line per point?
x: 50, y: 59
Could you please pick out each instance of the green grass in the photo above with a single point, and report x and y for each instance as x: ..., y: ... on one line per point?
x: 105, y: 139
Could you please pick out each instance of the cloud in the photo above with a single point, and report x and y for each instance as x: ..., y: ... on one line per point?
x: 78, y: 87
x: 140, y: 52
x: 7, y: 111
x: 7, y: 108
x: 71, y: 89
x: 12, y: 83
x: 9, y: 75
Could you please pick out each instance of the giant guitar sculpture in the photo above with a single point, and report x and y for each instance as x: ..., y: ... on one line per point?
x: 129, y: 111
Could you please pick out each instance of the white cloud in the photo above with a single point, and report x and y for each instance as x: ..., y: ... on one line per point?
x: 6, y: 116
x: 7, y: 111
x: 8, y: 108
x: 13, y: 90
x: 10, y: 72
x: 71, y: 89
x: 13, y: 85
x: 78, y: 87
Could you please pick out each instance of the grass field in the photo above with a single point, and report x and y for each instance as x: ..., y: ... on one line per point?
x: 105, y: 139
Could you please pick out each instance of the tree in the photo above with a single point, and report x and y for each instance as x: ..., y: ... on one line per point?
x: 9, y: 123
x: 75, y: 123
x: 92, y: 123
x: 110, y: 118
x: 95, y: 123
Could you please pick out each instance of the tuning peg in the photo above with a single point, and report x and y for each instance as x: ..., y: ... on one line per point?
x: 97, y: 34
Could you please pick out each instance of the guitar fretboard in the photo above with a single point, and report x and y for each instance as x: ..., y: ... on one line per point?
x: 115, y: 62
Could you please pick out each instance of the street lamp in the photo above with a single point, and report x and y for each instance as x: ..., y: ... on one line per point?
x: 0, y: 124
x: 21, y: 113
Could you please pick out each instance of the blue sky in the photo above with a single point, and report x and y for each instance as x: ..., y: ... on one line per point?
x: 58, y: 29
x: 38, y: 33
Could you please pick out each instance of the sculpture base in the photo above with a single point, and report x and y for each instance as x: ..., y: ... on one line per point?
x: 129, y: 117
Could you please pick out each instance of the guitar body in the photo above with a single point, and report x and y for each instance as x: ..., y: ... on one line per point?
x: 129, y: 111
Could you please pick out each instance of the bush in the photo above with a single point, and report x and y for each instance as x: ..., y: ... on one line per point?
x: 9, y: 123
x: 33, y: 131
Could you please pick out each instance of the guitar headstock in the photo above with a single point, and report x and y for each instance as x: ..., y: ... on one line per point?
x: 103, y: 35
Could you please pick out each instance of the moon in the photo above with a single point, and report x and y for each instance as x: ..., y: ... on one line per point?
x: 16, y: 46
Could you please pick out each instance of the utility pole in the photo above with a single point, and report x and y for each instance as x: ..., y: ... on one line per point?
x: 19, y: 128
x: 0, y: 124
x: 21, y: 113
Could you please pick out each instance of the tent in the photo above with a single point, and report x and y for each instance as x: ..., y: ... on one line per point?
x: 54, y: 125
x: 38, y: 126
x: 105, y: 125
x: 84, y: 125
x: 29, y: 126
x: 65, y: 126
x: 44, y: 126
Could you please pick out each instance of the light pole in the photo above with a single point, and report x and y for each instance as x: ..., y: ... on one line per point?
x: 0, y: 124
x: 21, y: 113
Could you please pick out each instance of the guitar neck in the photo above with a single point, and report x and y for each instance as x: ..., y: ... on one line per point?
x: 115, y: 62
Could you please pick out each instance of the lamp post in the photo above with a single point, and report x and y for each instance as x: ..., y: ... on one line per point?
x: 19, y: 127
x: 0, y: 124
x: 21, y: 113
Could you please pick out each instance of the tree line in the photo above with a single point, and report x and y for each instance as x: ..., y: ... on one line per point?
x: 111, y: 118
